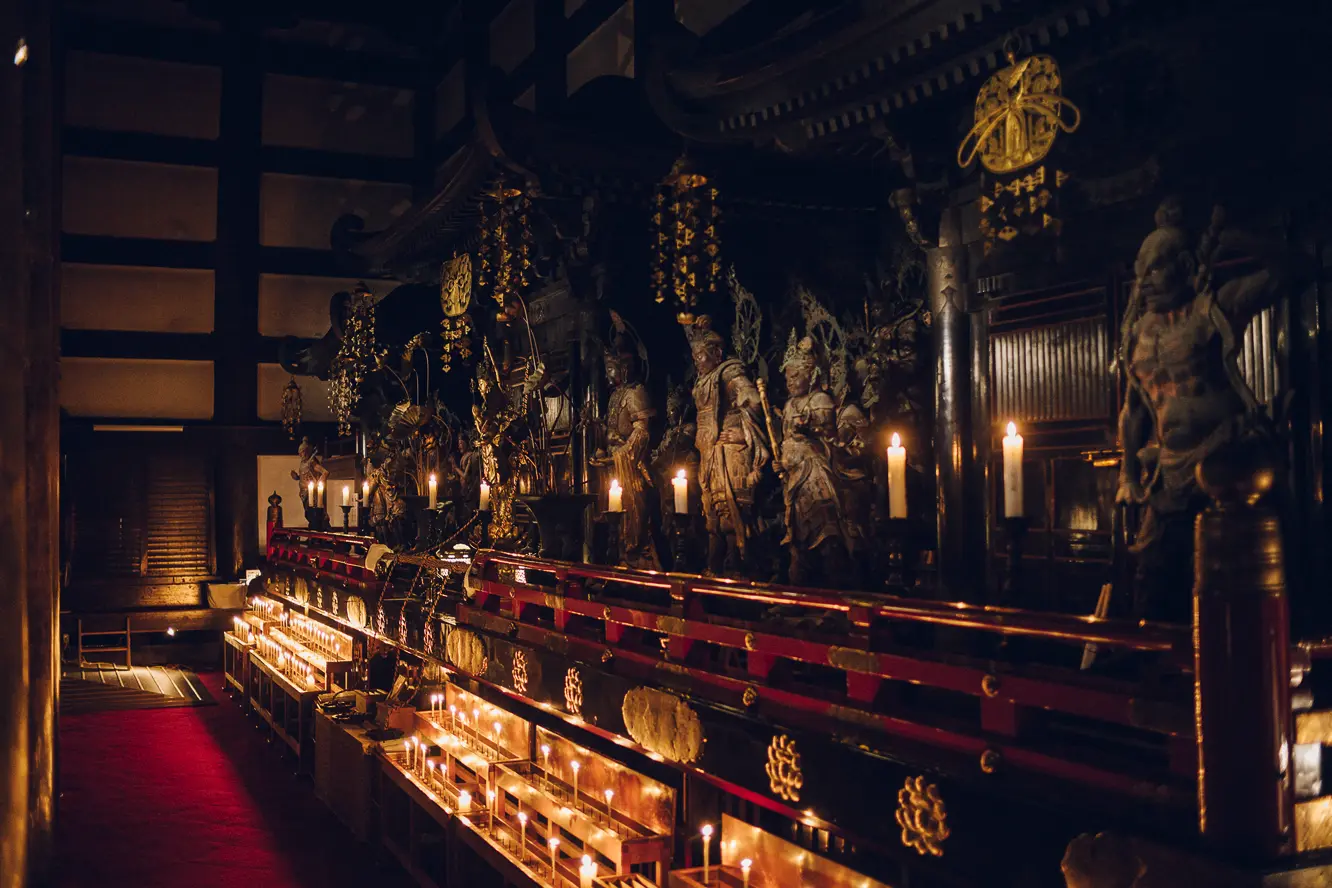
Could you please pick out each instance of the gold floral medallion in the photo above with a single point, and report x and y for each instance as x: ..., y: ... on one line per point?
x: 922, y: 817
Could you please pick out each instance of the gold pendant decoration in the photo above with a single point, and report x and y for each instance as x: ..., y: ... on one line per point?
x: 785, y: 778
x: 1019, y: 111
x: 573, y: 692
x: 922, y: 817
x: 519, y: 672
x: 291, y: 408
x: 686, y: 242
x: 455, y: 295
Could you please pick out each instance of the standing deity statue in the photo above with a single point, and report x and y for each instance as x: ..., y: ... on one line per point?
x: 816, y: 531
x: 855, y: 467
x: 1186, y: 398
x: 310, y: 468
x: 731, y: 444
x: 676, y: 451
x: 468, y: 472
x: 386, y: 507
x: 627, y: 445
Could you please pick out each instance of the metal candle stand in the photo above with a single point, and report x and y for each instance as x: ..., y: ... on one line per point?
x: 679, y: 533
x: 346, y: 517
x: 614, y: 537
x: 1015, y: 534
x: 316, y: 518
x: 901, y: 564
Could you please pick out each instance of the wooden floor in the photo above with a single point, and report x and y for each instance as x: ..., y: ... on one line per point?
x: 95, y: 687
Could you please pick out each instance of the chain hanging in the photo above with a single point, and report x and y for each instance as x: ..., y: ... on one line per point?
x: 291, y: 408
x: 686, y: 218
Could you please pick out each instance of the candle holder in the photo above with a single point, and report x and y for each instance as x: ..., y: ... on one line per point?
x: 679, y: 531
x: 1015, y: 534
x: 346, y: 518
x: 485, y: 528
x: 614, y: 537
x: 900, y: 565
x: 316, y: 518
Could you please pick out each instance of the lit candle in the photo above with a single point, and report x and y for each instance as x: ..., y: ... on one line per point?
x: 433, y: 485
x: 554, y: 847
x: 485, y: 497
x: 681, y: 485
x: 610, y: 794
x: 490, y: 800
x: 411, y: 748
x: 453, y: 717
x: 495, y: 729
x: 615, y: 501
x: 464, y: 802
x: 587, y: 872
x: 522, y: 834
x: 430, y: 772
x: 576, y: 766
x: 309, y: 496
x: 1012, y: 473
x: 365, y: 491
x: 319, y: 488
x: 346, y: 494
x: 476, y: 720
x: 707, y: 843
x: 897, y: 493
x: 744, y: 870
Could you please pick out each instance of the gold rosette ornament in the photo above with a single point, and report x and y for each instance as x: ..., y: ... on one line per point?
x: 922, y: 817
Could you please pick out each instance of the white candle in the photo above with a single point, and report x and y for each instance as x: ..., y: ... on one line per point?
x: 615, y: 501
x: 485, y: 497
x: 433, y: 485
x: 897, y: 494
x: 707, y: 842
x: 319, y: 488
x: 430, y: 772
x: 309, y: 495
x: 464, y: 802
x: 365, y: 491
x: 411, y: 742
x: 522, y: 834
x: 346, y: 494
x: 681, y: 485
x: 453, y: 717
x: 610, y: 794
x: 1012, y: 473
x: 744, y: 870
x: 587, y: 872
x: 554, y: 845
x: 575, y: 767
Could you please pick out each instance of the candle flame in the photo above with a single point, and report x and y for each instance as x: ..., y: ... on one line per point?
x: 707, y: 830
x: 432, y: 477
x: 746, y: 863
x: 615, y: 484
x: 680, y: 474
x: 1012, y: 430
x: 587, y: 859
x: 897, y: 440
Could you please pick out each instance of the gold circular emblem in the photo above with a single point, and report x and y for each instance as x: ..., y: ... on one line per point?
x: 1019, y: 111
x: 922, y: 817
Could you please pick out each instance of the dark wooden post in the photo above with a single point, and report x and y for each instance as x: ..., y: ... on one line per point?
x: 1241, y: 632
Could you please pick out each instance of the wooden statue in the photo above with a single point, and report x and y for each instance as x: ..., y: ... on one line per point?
x: 387, y: 508
x: 732, y: 446
x: 855, y: 467
x: 627, y: 445
x: 1186, y: 398
x: 676, y: 451
x: 816, y: 534
x: 310, y: 468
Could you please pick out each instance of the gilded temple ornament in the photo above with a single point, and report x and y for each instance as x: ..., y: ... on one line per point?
x: 573, y: 692
x: 291, y: 408
x: 455, y: 295
x: 922, y: 817
x: 686, y: 243
x: 1019, y: 111
x: 519, y: 672
x: 785, y: 778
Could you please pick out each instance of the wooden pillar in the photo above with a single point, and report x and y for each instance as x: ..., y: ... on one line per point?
x: 946, y: 267
x: 14, y: 688
x: 1241, y: 631
x: 236, y: 299
x: 41, y: 154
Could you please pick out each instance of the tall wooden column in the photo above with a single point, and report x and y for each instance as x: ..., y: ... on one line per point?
x: 236, y: 297
x: 41, y: 151
x: 14, y: 687
x: 947, y: 282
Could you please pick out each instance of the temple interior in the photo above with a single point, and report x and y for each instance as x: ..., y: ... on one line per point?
x: 665, y: 444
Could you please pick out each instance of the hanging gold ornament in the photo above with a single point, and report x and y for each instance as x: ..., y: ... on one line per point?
x: 354, y: 357
x: 505, y: 244
x: 1019, y: 111
x: 291, y: 408
x: 455, y: 295
x: 686, y: 238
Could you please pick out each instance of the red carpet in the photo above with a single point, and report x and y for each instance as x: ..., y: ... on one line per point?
x: 196, y: 798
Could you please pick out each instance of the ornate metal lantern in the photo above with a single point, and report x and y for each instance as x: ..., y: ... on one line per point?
x: 686, y: 241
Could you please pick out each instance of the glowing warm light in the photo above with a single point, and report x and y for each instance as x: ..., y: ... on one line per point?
x: 20, y: 53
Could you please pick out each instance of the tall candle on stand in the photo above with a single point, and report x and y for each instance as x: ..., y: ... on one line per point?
x: 485, y: 497
x: 610, y: 794
x: 309, y: 495
x: 346, y: 494
x: 433, y: 485
x: 319, y: 488
x: 587, y: 872
x: 681, y: 485
x: 365, y: 491
x: 1012, y: 473
x: 554, y: 844
x: 744, y: 870
x: 897, y: 494
x: 522, y: 834
x: 575, y: 767
x: 615, y: 501
x: 707, y: 841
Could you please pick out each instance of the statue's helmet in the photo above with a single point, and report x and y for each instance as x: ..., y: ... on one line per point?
x: 1169, y: 238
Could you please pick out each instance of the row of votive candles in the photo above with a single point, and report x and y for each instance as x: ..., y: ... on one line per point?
x: 327, y: 641
x: 292, y: 665
x: 266, y: 608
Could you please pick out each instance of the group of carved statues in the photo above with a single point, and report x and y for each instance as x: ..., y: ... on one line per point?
x: 733, y: 442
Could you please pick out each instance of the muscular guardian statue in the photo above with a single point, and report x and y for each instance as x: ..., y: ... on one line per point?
x: 731, y: 445
x: 627, y: 447
x: 816, y: 533
x: 1186, y: 399
x: 310, y: 468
